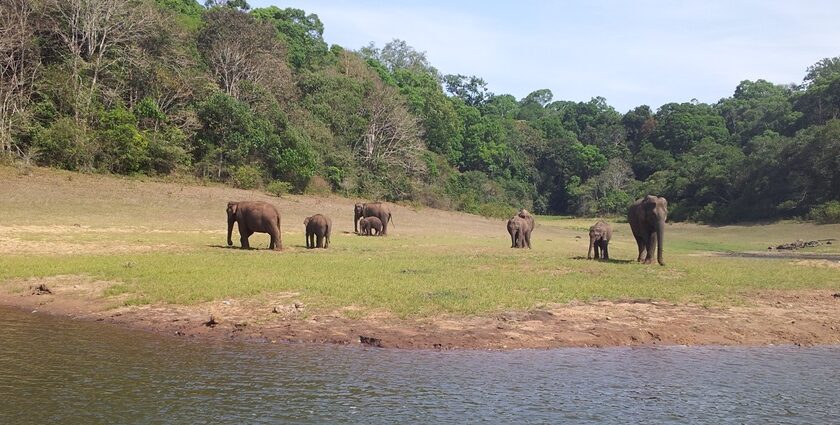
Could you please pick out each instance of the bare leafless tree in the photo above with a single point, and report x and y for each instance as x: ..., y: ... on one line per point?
x: 97, y: 33
x: 392, y: 136
x: 238, y: 48
x: 20, y: 63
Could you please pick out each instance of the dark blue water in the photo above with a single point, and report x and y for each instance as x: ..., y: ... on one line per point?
x: 61, y: 371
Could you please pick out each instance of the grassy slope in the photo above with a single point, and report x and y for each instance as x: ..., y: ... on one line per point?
x: 162, y: 242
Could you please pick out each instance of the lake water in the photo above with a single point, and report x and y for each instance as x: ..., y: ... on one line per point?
x: 55, y: 370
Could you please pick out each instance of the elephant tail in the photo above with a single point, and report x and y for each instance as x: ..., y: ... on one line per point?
x: 391, y: 219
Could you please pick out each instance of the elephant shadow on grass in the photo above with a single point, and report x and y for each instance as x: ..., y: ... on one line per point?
x: 239, y: 248
x: 611, y: 261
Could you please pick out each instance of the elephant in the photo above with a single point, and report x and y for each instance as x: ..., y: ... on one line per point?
x: 647, y: 221
x: 369, y: 224
x: 254, y: 216
x: 599, y: 238
x: 375, y: 209
x: 514, y: 228
x: 519, y: 227
x: 318, y: 226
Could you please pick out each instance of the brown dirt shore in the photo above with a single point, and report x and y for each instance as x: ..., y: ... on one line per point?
x: 769, y: 318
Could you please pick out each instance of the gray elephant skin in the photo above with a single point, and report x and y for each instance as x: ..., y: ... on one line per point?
x: 370, y: 226
x: 599, y: 238
x: 254, y: 217
x: 318, y: 229
x: 519, y: 227
x: 372, y: 209
x: 647, y: 218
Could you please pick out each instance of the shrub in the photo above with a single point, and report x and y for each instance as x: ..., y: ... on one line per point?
x: 278, y: 188
x: 317, y: 186
x: 64, y: 145
x: 495, y: 210
x: 166, y: 151
x: 247, y: 177
x: 827, y: 213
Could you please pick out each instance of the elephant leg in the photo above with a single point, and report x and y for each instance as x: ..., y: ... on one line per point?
x: 650, y: 247
x: 320, y: 243
x: 274, y: 243
x: 606, y: 250
x: 597, y: 250
x: 641, y: 244
x: 528, y: 238
x: 326, y: 241
x: 243, y: 239
x: 513, y: 239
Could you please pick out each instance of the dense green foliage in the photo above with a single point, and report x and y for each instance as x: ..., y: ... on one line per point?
x: 257, y: 97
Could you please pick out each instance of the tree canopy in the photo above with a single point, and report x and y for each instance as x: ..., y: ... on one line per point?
x: 253, y: 96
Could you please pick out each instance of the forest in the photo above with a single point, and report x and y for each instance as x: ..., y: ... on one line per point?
x: 256, y: 98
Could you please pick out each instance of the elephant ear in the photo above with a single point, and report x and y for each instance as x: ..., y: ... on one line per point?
x: 306, y: 220
x: 232, y: 207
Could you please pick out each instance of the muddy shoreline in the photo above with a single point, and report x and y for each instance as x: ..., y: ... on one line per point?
x: 768, y: 318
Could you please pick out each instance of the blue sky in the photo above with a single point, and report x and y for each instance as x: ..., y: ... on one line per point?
x: 630, y: 52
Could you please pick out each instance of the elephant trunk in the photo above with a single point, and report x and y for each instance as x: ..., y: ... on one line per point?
x: 591, y: 244
x: 230, y: 229
x: 356, y: 216
x: 660, y: 236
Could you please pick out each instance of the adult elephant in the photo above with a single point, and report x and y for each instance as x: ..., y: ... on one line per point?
x: 372, y: 209
x: 251, y: 217
x: 647, y: 221
x: 599, y: 238
x: 519, y: 227
x: 318, y: 227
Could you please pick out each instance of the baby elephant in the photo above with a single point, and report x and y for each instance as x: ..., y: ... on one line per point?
x: 599, y: 237
x: 370, y: 224
x: 318, y: 226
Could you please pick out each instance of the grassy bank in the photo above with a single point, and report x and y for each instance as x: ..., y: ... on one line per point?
x: 163, y: 243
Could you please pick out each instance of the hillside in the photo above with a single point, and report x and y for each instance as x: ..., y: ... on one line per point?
x: 258, y: 98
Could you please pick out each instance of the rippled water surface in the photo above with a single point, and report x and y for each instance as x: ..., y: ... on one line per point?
x: 55, y: 370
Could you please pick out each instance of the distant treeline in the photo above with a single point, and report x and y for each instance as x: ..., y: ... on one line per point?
x: 258, y: 99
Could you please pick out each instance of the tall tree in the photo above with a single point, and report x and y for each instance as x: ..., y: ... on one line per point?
x: 756, y: 107
x: 20, y: 62
x: 680, y: 126
x: 302, y: 32
x: 239, y: 48
x: 97, y: 35
x: 392, y: 136
x: 472, y: 90
x: 397, y: 54
x: 820, y: 101
x: 231, y: 4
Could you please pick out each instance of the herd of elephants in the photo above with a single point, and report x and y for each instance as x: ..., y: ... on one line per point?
x: 646, y: 217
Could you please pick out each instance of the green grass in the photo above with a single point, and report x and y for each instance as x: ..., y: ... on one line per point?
x: 420, y: 270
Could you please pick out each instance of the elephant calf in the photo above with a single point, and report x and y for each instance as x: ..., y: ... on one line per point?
x: 599, y: 238
x: 318, y: 226
x: 370, y: 224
